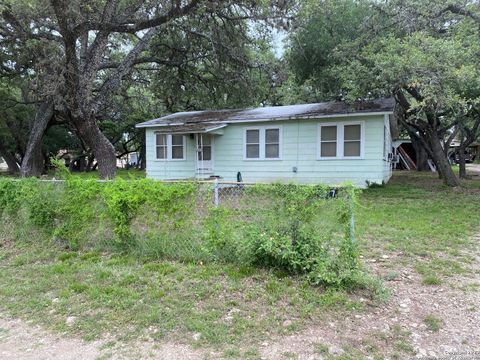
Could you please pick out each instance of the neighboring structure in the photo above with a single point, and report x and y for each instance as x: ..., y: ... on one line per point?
x: 312, y: 143
x: 472, y: 152
x: 3, y: 165
x: 128, y: 161
x: 405, y: 157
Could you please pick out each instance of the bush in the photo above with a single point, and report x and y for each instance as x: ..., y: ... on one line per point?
x: 295, y: 228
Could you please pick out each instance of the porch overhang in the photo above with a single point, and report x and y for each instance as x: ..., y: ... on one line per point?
x: 191, y: 129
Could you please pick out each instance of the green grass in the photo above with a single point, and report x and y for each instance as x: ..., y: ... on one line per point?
x: 131, y: 298
x: 121, y: 173
x: 429, y: 225
x: 433, y: 323
x: 426, y: 226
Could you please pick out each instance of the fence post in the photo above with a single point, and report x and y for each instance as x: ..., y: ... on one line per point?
x: 352, y: 216
x: 215, y: 193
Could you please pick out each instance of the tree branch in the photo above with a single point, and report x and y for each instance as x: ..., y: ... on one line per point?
x: 175, y: 12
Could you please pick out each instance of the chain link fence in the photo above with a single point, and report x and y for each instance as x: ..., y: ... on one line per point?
x: 282, y: 225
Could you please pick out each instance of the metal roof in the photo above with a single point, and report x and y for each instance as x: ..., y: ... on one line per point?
x: 192, y: 128
x: 272, y: 113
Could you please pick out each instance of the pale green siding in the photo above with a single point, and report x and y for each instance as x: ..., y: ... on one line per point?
x: 164, y: 170
x: 299, y: 149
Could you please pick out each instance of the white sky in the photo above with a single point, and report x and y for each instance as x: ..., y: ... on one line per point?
x: 278, y: 42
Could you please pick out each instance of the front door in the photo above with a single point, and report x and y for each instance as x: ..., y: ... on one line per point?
x: 204, y: 154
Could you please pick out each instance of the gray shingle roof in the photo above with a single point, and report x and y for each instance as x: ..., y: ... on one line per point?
x: 304, y: 111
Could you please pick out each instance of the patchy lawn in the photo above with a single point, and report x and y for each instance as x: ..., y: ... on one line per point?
x: 122, y: 173
x: 418, y: 236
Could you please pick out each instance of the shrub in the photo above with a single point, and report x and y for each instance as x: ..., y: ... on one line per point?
x: 295, y: 228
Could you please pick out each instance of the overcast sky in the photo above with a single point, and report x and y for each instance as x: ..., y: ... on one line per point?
x: 278, y: 42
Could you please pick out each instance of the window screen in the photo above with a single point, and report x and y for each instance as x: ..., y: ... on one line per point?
x: 272, y: 143
x: 352, y: 140
x: 328, y: 141
x: 177, y: 146
x: 253, y: 144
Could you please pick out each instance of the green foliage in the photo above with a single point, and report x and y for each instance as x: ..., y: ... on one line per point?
x: 293, y: 228
x: 62, y: 171
x: 123, y: 200
x: 321, y: 29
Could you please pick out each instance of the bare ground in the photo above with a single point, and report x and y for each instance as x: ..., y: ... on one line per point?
x: 396, y: 329
x: 391, y: 327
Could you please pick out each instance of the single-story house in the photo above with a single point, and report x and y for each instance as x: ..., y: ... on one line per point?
x: 331, y: 142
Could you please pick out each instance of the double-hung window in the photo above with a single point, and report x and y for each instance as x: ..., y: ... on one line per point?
x: 328, y: 141
x: 341, y: 140
x: 170, y: 147
x: 263, y: 143
x: 352, y: 140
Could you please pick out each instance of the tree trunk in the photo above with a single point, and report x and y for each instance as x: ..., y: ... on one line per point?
x: 420, y: 154
x: 441, y: 161
x: 32, y: 163
x: 82, y: 164
x: 9, y: 159
x: 462, y: 171
x: 101, y: 147
x: 142, y: 156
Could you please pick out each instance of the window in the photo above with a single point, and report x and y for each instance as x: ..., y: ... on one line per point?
x: 161, y: 146
x: 341, y: 140
x: 253, y: 144
x: 328, y: 141
x: 272, y: 143
x: 177, y: 147
x: 170, y: 147
x: 352, y: 140
x: 263, y: 143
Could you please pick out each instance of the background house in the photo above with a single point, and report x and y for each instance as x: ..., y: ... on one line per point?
x: 328, y: 142
x: 3, y: 165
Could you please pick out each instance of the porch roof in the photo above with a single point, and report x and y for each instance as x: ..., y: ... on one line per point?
x: 190, y: 128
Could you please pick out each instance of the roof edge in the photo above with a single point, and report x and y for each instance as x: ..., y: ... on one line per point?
x: 330, y: 116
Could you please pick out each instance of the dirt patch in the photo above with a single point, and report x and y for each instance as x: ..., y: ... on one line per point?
x: 21, y: 340
x: 419, y: 321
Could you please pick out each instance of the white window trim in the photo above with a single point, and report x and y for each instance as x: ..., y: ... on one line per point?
x: 169, y: 147
x: 340, y: 140
x: 262, y: 143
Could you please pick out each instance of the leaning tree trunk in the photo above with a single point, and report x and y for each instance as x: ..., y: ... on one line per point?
x: 101, y: 147
x: 9, y: 159
x: 32, y: 163
x: 441, y: 161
